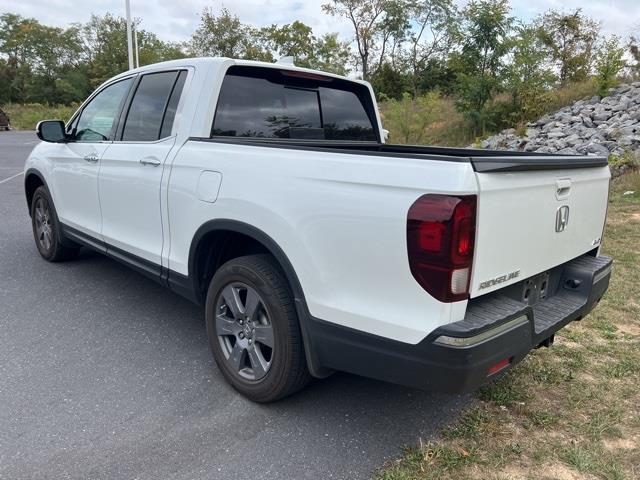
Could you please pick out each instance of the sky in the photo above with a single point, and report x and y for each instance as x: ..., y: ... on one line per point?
x: 175, y: 20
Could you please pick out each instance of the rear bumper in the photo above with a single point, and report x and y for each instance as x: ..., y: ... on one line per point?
x: 498, y: 328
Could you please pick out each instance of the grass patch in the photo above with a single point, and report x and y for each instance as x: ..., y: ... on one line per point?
x: 434, y: 120
x: 505, y: 391
x: 431, y: 119
x: 591, y: 459
x: 429, y: 461
x: 567, y: 95
x: 543, y: 418
x: 622, y: 368
x: 571, y: 411
x: 471, y: 425
x: 26, y: 116
x: 629, y: 157
x: 600, y: 424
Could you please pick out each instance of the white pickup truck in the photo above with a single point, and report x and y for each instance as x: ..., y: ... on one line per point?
x: 266, y: 193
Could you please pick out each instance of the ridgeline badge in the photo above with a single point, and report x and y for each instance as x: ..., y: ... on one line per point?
x: 500, y: 279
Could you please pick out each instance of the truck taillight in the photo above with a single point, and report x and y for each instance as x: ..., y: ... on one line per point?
x: 440, y: 239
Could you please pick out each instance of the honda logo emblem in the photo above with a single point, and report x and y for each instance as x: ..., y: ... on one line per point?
x: 562, y: 218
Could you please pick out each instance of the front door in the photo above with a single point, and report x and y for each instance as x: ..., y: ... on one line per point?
x: 75, y: 164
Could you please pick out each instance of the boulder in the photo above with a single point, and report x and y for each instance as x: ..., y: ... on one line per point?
x: 596, y: 126
x: 597, y: 149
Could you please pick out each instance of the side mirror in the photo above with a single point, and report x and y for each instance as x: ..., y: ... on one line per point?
x: 51, y: 131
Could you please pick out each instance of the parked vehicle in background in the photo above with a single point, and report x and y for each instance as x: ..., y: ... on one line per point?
x: 266, y: 193
x: 5, y: 124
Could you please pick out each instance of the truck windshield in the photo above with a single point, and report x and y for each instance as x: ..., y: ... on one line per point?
x: 273, y: 103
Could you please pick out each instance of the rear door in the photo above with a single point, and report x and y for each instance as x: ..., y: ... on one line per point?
x: 132, y: 170
x: 531, y: 221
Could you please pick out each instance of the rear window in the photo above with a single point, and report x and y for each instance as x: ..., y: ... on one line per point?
x: 272, y: 103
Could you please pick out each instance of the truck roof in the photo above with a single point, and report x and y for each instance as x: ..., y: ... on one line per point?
x: 220, y: 62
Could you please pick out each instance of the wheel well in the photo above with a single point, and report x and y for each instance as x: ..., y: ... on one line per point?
x: 31, y: 184
x: 216, y: 248
x: 231, y: 239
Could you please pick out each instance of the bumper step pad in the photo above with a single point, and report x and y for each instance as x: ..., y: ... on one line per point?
x: 577, y: 286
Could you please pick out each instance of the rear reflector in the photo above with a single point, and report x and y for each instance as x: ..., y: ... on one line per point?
x: 440, y: 242
x: 501, y: 365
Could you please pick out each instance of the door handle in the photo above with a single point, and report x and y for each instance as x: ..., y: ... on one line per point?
x: 93, y: 158
x: 154, y: 162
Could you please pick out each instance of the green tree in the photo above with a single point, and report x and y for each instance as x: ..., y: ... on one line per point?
x: 297, y: 40
x: 526, y: 76
x: 5, y: 82
x: 16, y: 47
x: 225, y: 35
x: 392, y: 33
x: 609, y: 62
x: 433, y: 37
x: 390, y: 82
x: 438, y: 74
x: 293, y: 39
x: 105, y: 47
x: 485, y: 29
x: 331, y: 54
x: 634, y: 50
x: 366, y: 17
x: 569, y: 39
x: 57, y: 53
x: 37, y: 57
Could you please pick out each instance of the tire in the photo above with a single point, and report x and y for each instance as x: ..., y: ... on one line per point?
x: 249, y: 307
x: 46, y: 229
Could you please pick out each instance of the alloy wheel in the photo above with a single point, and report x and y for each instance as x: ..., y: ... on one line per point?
x: 245, y: 332
x: 44, y: 228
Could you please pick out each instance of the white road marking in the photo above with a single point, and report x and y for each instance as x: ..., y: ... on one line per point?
x: 11, y: 178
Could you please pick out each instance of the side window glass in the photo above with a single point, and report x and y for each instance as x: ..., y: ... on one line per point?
x: 144, y: 119
x: 257, y: 107
x: 98, y: 118
x: 344, y: 116
x: 172, y: 106
x: 71, y: 127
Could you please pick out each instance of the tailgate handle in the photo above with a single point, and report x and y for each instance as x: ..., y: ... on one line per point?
x: 563, y: 188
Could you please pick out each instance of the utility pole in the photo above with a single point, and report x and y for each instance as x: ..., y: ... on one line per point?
x: 129, y: 46
x: 135, y: 45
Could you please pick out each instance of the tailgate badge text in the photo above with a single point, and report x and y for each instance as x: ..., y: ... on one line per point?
x: 500, y: 279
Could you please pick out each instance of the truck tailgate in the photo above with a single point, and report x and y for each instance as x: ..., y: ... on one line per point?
x: 530, y: 220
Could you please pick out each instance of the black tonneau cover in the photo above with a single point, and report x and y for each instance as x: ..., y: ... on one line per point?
x: 527, y: 162
x: 483, y: 161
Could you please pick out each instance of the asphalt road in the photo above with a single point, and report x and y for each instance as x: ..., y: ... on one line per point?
x: 104, y: 374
